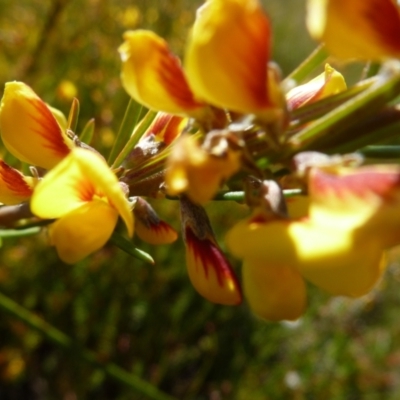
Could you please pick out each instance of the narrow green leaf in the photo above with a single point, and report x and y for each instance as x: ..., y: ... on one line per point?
x: 377, y: 129
x: 127, y: 246
x: 385, y: 152
x: 311, y: 112
x: 314, y: 60
x: 73, y: 115
x: 87, y: 132
x: 386, y: 88
x: 138, y: 132
x: 129, y: 122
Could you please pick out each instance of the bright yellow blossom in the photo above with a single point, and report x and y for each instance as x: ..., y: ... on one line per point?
x: 14, y: 186
x: 328, y: 83
x: 28, y: 128
x: 197, y: 172
x: 153, y: 76
x: 227, y: 55
x: 356, y: 29
x: 86, y: 198
x: 209, y: 270
x: 353, y: 217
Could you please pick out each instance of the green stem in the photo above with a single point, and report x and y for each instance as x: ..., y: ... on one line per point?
x: 8, y: 233
x: 315, y: 59
x: 240, y: 195
x: 385, y: 152
x: 126, y: 245
x: 62, y: 340
x: 382, y: 91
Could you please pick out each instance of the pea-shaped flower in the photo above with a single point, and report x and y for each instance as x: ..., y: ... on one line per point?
x: 85, y: 198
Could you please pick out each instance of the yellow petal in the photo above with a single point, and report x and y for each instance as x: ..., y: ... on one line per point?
x: 196, y: 172
x: 60, y: 117
x: 227, y: 54
x: 356, y: 29
x: 83, y: 230
x: 274, y: 292
x: 81, y: 177
x: 149, y: 227
x: 365, y: 198
x: 29, y: 129
x: 166, y: 127
x: 339, y: 259
x: 160, y: 233
x: 328, y: 83
x: 14, y: 187
x: 152, y: 75
x: 209, y: 270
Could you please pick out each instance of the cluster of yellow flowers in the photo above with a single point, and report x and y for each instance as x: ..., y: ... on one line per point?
x: 224, y: 121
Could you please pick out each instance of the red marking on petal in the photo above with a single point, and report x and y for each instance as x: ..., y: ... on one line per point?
x: 173, y: 130
x: 155, y: 233
x: 360, y: 182
x: 173, y: 78
x: 385, y: 20
x: 210, y: 256
x: 50, y: 130
x: 14, y: 180
x: 166, y: 127
x: 85, y: 189
x: 257, y: 58
x: 161, y: 228
x: 159, y: 123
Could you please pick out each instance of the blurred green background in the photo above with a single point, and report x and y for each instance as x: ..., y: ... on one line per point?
x: 148, y: 319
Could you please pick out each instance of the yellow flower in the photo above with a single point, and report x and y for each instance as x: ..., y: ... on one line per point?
x: 153, y: 76
x: 208, y: 269
x: 14, y: 186
x: 86, y: 198
x: 275, y: 292
x: 227, y: 55
x: 199, y: 173
x: 328, y: 83
x: 166, y: 128
x: 149, y: 227
x: 226, y: 65
x: 353, y: 217
x: 28, y: 128
x: 356, y: 29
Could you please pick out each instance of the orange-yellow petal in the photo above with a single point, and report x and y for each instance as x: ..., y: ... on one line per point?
x: 328, y: 83
x: 28, y: 128
x: 338, y: 259
x: 83, y: 176
x: 362, y: 29
x: 155, y: 233
x: 196, y: 172
x: 153, y: 76
x: 365, y: 198
x: 210, y: 271
x: 14, y: 186
x: 83, y: 230
x: 227, y: 55
x: 166, y: 127
x: 274, y: 292
x: 149, y: 227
